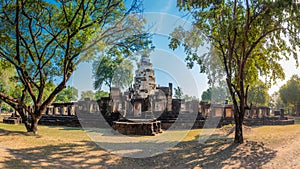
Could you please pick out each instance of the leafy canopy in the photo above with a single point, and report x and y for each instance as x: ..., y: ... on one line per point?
x: 249, y: 38
x: 46, y: 40
x: 215, y: 95
x: 258, y: 94
x: 112, y: 71
x: 290, y: 92
x: 67, y: 95
x: 178, y: 93
x: 255, y: 34
x: 114, y: 67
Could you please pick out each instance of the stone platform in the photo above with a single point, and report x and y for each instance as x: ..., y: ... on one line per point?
x: 137, y: 127
x: 12, y: 120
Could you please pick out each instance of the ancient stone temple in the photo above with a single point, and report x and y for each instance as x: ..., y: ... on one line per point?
x: 144, y: 81
x: 143, y: 90
x: 144, y: 99
x: 142, y: 104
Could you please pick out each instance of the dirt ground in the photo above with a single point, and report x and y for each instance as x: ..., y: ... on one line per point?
x: 264, y: 147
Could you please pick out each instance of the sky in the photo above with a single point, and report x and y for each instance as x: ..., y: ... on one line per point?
x: 162, y: 17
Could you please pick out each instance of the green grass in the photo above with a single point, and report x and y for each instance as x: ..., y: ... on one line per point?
x: 56, y: 147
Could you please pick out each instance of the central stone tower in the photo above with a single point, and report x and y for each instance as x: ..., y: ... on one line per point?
x: 143, y: 90
x: 144, y: 81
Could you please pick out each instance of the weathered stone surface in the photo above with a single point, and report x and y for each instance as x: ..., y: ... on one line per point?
x: 12, y: 120
x: 137, y: 128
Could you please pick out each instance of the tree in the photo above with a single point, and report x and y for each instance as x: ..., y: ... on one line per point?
x: 206, y: 96
x: 100, y: 94
x: 8, y: 79
x: 189, y: 98
x: 67, y: 95
x: 249, y: 37
x: 215, y: 95
x: 114, y: 66
x: 276, y: 102
x: 258, y: 94
x: 87, y: 95
x: 178, y: 93
x: 112, y: 71
x: 290, y: 92
x: 46, y: 40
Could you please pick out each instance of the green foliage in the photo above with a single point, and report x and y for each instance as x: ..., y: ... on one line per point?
x: 67, y: 95
x: 100, y: 94
x: 189, y: 98
x: 290, y: 92
x: 17, y: 92
x: 114, y: 67
x: 276, y: 102
x: 215, y: 95
x: 123, y: 74
x: 206, y: 96
x: 178, y: 93
x: 260, y: 38
x: 8, y: 77
x: 45, y: 41
x: 93, y: 95
x: 249, y: 37
x: 258, y: 94
x: 112, y: 71
x: 87, y: 95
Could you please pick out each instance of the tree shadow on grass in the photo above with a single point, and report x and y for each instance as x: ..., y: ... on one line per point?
x: 14, y: 133
x: 214, y: 153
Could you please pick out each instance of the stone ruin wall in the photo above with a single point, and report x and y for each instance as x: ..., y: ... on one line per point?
x: 65, y: 114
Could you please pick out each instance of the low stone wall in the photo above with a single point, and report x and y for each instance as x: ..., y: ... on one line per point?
x: 69, y: 121
x: 97, y: 121
x: 268, y: 121
x: 137, y: 128
x: 218, y: 122
x: 86, y: 120
x: 12, y: 120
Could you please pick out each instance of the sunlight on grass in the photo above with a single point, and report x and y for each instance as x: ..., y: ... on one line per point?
x: 66, y: 144
x: 52, y: 134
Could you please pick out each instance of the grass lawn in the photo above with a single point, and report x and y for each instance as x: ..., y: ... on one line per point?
x: 65, y: 147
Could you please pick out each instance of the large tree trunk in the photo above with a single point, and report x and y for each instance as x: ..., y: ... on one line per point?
x: 35, y: 118
x: 34, y: 124
x: 31, y: 126
x: 25, y: 119
x: 238, y: 138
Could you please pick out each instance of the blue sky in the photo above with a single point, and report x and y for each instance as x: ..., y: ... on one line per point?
x: 169, y: 65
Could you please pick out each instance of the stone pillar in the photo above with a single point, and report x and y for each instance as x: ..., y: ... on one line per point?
x: 47, y: 111
x: 65, y: 110
x: 61, y: 110
x: 69, y: 108
x: 55, y: 110
x: 281, y: 113
x: 152, y: 105
x: 76, y: 110
x: 169, y: 103
x: 194, y: 106
x: 268, y: 112
x: 129, y: 109
x: 51, y: 110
